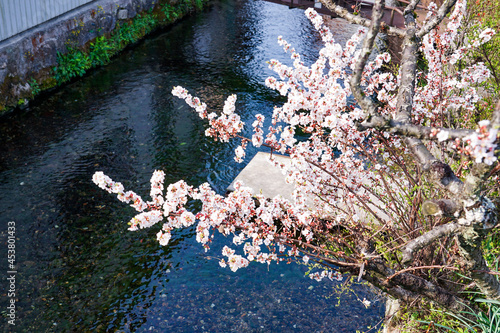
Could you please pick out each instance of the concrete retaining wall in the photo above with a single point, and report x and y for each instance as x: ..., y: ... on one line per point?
x: 32, y: 55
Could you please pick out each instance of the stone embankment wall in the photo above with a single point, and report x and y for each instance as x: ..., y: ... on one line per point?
x: 30, y: 62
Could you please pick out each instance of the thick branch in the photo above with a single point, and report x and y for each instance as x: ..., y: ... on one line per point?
x: 411, y: 6
x: 413, y: 284
x: 395, y: 291
x: 404, y: 105
x: 410, y: 130
x: 427, y: 238
x: 365, y: 102
x: 408, y: 71
x: 404, y: 286
x: 357, y: 19
x: 441, y: 207
x: 470, y: 246
x: 444, y: 176
x: 436, y: 19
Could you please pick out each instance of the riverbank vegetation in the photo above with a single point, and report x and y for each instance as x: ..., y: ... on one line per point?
x: 400, y: 189
x: 77, y: 61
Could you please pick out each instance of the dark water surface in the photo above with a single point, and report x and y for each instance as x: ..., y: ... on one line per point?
x: 78, y: 268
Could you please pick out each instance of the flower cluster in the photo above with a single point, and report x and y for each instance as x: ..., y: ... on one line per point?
x: 234, y: 261
x: 446, y: 90
x: 482, y: 143
x: 106, y: 183
x: 222, y: 127
x: 326, y: 273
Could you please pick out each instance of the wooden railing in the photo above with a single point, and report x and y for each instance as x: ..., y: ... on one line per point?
x: 392, y: 15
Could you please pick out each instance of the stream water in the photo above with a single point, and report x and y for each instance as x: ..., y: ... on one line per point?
x: 78, y: 268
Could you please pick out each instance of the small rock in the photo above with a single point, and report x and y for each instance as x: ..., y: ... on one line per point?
x: 122, y: 14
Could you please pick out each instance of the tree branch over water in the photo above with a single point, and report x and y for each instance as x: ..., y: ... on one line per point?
x: 397, y: 189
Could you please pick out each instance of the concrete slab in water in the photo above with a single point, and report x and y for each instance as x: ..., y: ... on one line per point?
x: 263, y: 177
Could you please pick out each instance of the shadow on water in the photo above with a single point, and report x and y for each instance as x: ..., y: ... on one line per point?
x: 79, y: 269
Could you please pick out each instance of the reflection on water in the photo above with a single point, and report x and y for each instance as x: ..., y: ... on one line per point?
x: 79, y: 269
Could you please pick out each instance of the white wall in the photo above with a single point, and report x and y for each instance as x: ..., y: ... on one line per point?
x: 19, y: 15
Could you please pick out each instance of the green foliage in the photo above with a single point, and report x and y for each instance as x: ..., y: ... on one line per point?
x: 130, y: 32
x: 124, y: 34
x: 144, y: 24
x: 72, y: 64
x: 35, y: 87
x: 76, y: 62
x: 474, y: 320
x: 491, y: 250
x: 184, y: 6
x: 100, y: 51
x: 170, y: 12
x: 424, y: 317
x: 199, y: 4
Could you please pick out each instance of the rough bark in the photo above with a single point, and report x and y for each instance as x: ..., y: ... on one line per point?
x: 365, y: 102
x: 413, y: 284
x: 482, y: 216
x: 431, y: 236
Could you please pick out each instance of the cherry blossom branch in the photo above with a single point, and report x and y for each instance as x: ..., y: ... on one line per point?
x: 363, y: 203
x: 339, y: 163
x: 298, y: 243
x: 416, y: 131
